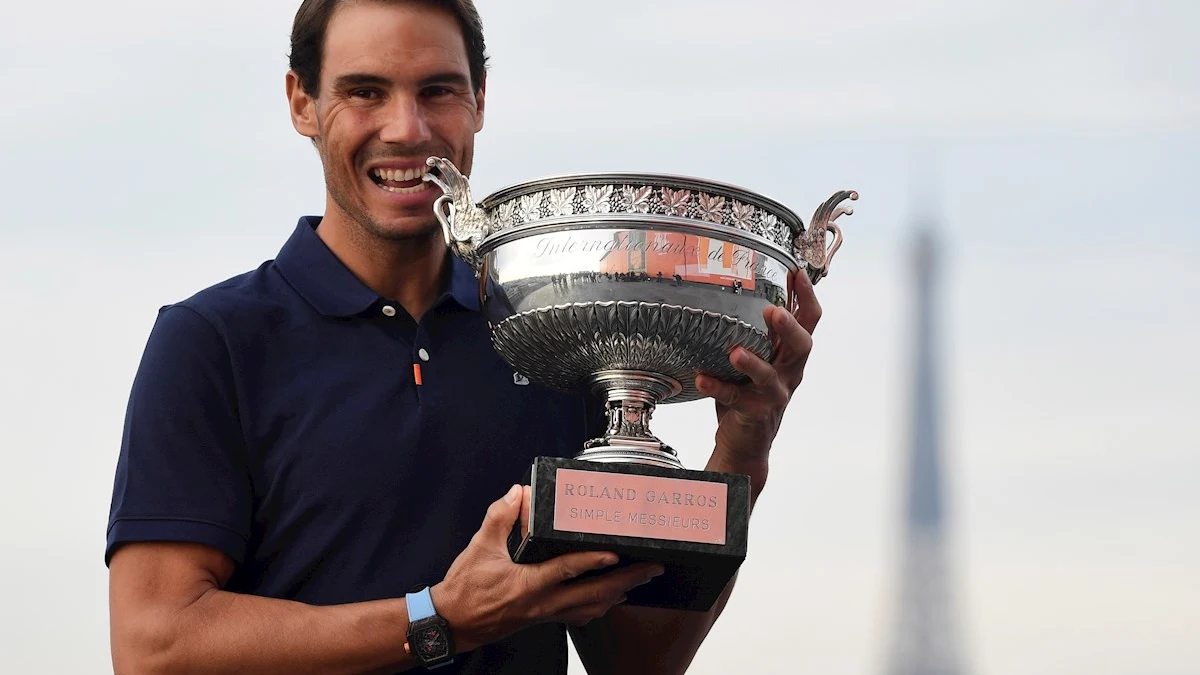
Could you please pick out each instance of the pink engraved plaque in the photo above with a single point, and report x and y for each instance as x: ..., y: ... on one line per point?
x: 640, y: 506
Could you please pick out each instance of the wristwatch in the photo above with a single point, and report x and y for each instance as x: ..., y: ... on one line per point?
x: 429, y: 638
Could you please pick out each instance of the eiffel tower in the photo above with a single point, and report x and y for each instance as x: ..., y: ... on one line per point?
x: 924, y: 636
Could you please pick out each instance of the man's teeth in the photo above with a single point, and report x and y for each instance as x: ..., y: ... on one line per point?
x: 405, y: 190
x: 400, y: 174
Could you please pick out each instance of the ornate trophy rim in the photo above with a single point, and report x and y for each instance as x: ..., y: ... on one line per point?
x: 791, y: 220
x: 680, y: 181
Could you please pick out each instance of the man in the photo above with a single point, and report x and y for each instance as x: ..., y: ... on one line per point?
x: 320, y: 450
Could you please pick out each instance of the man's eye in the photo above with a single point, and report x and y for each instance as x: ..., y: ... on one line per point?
x: 438, y: 91
x: 364, y: 93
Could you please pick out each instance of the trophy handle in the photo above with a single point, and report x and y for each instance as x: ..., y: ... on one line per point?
x: 443, y: 208
x: 464, y: 223
x: 833, y: 246
x: 813, y: 245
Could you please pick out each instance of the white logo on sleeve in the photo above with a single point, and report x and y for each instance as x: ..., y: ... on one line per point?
x: 520, y: 379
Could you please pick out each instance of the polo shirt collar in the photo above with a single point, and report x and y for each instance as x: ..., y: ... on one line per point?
x: 464, y: 285
x: 332, y: 289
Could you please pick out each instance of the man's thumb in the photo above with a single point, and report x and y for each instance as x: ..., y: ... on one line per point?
x: 501, y: 516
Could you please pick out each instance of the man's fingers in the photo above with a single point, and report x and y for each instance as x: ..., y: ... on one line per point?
x: 760, y: 372
x: 722, y: 392
x: 793, y: 341
x: 568, y: 566
x: 501, y: 516
x: 606, y: 589
x: 805, y: 307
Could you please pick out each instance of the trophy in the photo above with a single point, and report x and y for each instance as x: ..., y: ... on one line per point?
x: 625, y: 286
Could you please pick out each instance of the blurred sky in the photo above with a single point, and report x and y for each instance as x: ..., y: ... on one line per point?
x: 147, y: 153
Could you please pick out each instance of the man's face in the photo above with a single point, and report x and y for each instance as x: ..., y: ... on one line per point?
x: 395, y: 89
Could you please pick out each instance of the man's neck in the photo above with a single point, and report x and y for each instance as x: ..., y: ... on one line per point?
x: 411, y: 271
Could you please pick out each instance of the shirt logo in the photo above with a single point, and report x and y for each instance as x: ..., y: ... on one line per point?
x: 520, y: 379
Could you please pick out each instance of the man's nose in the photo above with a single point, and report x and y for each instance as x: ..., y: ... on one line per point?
x: 405, y: 123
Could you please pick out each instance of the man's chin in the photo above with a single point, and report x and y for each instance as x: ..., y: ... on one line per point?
x: 407, y: 229
x: 388, y: 220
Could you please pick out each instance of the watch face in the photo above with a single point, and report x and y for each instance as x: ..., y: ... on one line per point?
x: 430, y: 643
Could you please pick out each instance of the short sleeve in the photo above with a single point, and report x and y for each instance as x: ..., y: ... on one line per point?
x: 181, y: 474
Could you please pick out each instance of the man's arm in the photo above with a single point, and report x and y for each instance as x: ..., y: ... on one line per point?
x: 168, y: 614
x: 633, y: 640
x: 636, y: 640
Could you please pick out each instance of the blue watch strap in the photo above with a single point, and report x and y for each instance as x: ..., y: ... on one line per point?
x: 420, y: 605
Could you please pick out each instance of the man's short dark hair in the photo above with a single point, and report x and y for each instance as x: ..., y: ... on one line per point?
x: 312, y: 20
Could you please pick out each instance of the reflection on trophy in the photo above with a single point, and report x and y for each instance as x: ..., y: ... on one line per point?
x: 627, y: 286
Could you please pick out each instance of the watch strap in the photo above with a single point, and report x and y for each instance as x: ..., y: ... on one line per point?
x: 420, y: 605
x: 420, y: 608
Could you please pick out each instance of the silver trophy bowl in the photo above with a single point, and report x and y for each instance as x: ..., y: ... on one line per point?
x: 628, y: 285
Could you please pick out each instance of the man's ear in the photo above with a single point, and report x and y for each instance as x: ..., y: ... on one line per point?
x: 303, y: 107
x: 479, y: 100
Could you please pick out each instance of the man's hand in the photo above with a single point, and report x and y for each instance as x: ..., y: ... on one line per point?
x: 486, y: 596
x: 749, y: 415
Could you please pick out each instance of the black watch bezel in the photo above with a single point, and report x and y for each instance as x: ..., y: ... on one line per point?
x: 418, y: 647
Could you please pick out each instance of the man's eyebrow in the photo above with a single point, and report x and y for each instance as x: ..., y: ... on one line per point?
x: 359, y: 80
x: 452, y: 78
x: 351, y: 80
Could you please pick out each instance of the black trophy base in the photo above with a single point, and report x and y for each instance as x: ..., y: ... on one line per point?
x: 695, y: 523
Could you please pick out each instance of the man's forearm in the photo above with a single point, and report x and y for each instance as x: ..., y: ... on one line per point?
x: 223, y: 632
x: 650, y: 640
x: 646, y: 640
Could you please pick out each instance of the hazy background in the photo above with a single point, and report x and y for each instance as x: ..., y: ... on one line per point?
x: 147, y: 153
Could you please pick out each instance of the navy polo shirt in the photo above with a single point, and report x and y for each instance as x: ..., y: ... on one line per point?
x: 277, y: 417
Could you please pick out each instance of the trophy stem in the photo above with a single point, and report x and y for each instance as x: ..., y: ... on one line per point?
x: 631, y: 396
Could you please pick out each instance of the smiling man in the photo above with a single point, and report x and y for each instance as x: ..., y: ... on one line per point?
x: 314, y: 473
